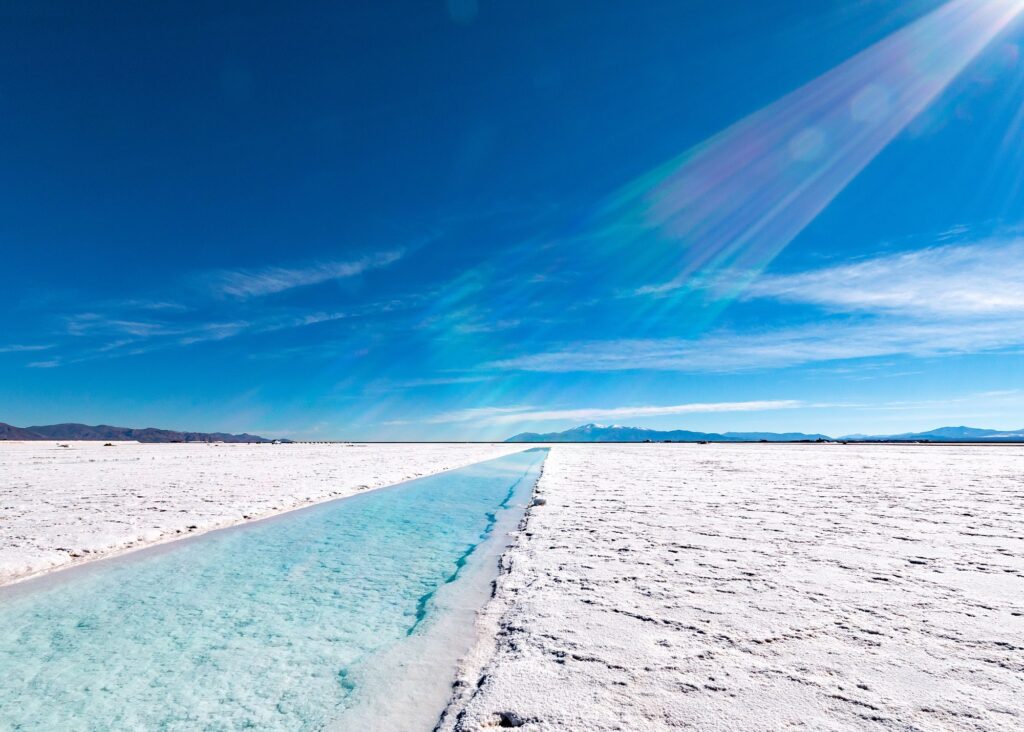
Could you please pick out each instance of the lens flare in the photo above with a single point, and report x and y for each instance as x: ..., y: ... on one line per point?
x: 715, y: 216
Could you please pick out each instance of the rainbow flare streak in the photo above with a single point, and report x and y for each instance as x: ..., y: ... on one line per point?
x: 736, y: 200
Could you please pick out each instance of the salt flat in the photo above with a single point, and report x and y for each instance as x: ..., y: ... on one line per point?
x: 749, y: 587
x: 60, y: 505
x: 708, y: 587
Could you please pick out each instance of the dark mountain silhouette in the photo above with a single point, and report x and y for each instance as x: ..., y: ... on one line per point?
x: 7, y: 432
x: 617, y: 433
x: 73, y: 431
x: 951, y: 434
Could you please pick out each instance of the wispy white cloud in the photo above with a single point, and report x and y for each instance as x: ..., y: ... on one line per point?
x: 115, y: 328
x: 140, y: 333
x: 521, y: 414
x: 484, y: 415
x: 980, y: 279
x: 104, y: 335
x: 91, y: 323
x: 938, y: 301
x: 440, y: 381
x: 1000, y: 393
x: 136, y: 304
x: 217, y: 331
x: 23, y: 348
x: 246, y: 283
x: 724, y: 351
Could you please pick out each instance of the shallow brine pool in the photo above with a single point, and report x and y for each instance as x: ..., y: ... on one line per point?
x: 289, y: 623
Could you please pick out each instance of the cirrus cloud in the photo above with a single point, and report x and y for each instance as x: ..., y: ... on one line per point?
x: 726, y: 351
x: 246, y: 283
x: 980, y: 279
x: 518, y: 414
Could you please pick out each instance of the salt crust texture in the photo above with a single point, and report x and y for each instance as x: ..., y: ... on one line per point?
x: 749, y: 587
x: 63, y: 505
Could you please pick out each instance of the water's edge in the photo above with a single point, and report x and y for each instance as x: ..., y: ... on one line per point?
x: 472, y: 666
x: 428, y: 690
x: 308, y: 631
x: 59, y: 573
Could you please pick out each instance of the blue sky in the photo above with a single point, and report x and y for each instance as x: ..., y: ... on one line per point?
x: 468, y: 219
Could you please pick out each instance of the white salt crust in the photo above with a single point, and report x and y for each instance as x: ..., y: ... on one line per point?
x: 63, y: 505
x: 760, y: 587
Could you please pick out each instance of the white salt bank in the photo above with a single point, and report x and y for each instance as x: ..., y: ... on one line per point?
x: 60, y: 505
x: 749, y: 587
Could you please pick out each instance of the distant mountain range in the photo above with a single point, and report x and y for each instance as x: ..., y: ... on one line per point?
x: 617, y: 433
x: 115, y: 434
x: 583, y: 433
x: 951, y: 434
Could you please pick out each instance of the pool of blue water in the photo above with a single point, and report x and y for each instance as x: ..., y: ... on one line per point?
x: 260, y: 626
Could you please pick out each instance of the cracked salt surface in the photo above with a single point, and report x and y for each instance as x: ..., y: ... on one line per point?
x: 760, y: 587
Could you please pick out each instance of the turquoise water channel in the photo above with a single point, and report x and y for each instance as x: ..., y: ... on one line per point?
x: 271, y: 625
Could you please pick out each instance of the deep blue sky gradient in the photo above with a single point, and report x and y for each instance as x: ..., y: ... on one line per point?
x: 454, y: 155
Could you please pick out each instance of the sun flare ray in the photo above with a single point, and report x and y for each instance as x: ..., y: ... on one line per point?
x: 719, y: 213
